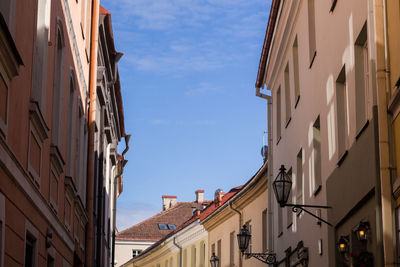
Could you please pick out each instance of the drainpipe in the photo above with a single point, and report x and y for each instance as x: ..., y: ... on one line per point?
x: 384, y: 93
x: 120, y: 165
x: 240, y: 226
x: 270, y: 213
x: 92, y: 120
x: 180, y: 252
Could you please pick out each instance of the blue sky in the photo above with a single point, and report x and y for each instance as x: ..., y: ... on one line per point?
x: 187, y: 77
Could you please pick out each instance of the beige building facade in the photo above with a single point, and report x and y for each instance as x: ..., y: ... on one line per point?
x: 247, y: 206
x: 319, y: 66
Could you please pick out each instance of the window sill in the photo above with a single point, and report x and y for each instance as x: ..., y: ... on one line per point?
x: 297, y: 102
x: 341, y: 159
x: 362, y: 129
x: 288, y: 122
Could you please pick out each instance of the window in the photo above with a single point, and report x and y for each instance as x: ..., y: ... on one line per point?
x: 193, y: 256
x: 171, y: 226
x: 311, y: 31
x: 39, y: 77
x: 289, y: 213
x: 299, y: 178
x: 265, y: 230
x: 202, y: 254
x: 296, y: 72
x: 219, y: 250
x: 162, y: 226
x: 287, y: 95
x: 58, y: 90
x: 7, y: 9
x: 30, y: 250
x: 53, y: 189
x: 232, y: 249
x: 316, y: 158
x: 135, y: 252
x: 185, y: 258
x: 278, y: 114
x: 171, y: 264
x: 362, y: 77
x: 341, y: 111
x: 71, y: 127
x: 50, y: 261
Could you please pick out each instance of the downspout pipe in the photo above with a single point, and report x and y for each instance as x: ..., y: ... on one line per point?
x: 121, y: 165
x: 180, y: 251
x: 386, y: 175
x: 89, y: 253
x: 270, y: 213
x: 240, y: 226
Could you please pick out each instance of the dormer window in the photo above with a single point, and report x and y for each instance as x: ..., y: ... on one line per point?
x: 172, y: 226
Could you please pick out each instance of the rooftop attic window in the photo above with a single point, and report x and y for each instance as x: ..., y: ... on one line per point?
x: 172, y: 226
x: 162, y: 226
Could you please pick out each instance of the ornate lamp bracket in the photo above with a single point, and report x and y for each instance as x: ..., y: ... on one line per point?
x: 268, y: 258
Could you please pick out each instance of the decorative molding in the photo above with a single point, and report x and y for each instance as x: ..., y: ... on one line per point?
x: 56, y: 159
x: 21, y: 177
x: 38, y: 121
x: 75, y: 45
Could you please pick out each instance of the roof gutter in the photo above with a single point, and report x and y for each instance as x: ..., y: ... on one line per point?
x: 267, y: 42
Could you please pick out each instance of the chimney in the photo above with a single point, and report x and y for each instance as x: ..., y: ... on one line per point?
x: 200, y: 196
x: 218, y: 197
x: 168, y: 201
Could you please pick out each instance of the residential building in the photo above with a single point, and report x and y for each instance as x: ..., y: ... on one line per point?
x: 46, y: 201
x: 44, y: 94
x: 323, y: 63
x: 242, y: 205
x: 136, y: 239
x: 109, y: 122
x: 185, y: 246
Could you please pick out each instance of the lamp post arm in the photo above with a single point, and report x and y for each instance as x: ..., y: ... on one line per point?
x: 268, y: 258
x: 308, y: 206
x: 295, y: 207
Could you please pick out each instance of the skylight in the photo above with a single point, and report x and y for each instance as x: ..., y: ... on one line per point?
x: 172, y: 226
x: 162, y: 226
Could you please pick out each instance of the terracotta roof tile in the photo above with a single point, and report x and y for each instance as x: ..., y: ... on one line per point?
x: 148, y: 230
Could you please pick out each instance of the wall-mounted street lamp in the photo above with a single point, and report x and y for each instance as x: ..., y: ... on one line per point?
x: 214, y: 260
x: 244, y: 238
x: 282, y: 186
x: 343, y: 244
x: 362, y: 231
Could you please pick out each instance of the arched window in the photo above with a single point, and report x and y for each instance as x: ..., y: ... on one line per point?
x: 71, y: 125
x: 57, y: 86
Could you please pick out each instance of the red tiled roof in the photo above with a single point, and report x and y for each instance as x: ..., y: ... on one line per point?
x: 104, y: 11
x: 148, y: 230
x: 211, y: 207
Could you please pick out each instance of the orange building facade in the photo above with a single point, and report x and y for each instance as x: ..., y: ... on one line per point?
x: 45, y: 50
